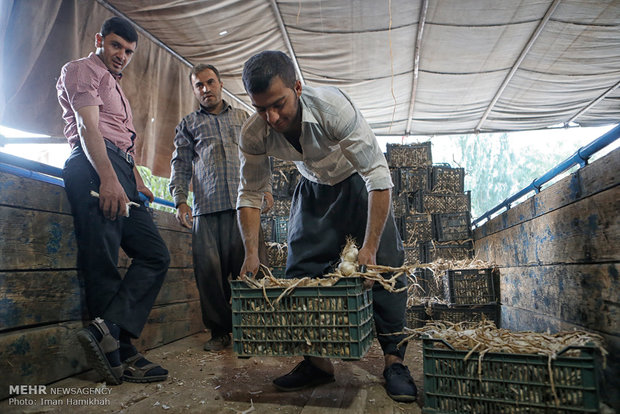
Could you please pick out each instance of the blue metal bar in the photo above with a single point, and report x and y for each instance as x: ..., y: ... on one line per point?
x: 48, y: 174
x: 580, y: 157
x: 30, y: 165
x: 22, y: 172
x: 156, y: 200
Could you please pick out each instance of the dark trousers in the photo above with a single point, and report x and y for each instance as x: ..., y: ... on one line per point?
x: 125, y: 300
x: 321, y: 218
x: 218, y: 254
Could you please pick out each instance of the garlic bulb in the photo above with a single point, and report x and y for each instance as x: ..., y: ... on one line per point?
x: 347, y: 268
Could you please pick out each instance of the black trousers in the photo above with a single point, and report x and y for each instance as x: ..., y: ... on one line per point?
x: 321, y: 218
x: 125, y: 300
x: 218, y: 254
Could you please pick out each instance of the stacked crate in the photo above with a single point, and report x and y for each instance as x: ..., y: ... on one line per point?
x: 468, y: 295
x: 430, y: 205
x: 284, y: 179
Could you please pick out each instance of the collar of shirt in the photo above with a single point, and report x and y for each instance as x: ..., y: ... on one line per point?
x: 226, y: 106
x: 99, y: 62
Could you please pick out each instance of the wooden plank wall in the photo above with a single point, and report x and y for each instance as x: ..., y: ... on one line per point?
x: 559, y: 258
x: 41, y: 297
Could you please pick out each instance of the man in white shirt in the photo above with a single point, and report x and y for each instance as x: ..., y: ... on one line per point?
x: 344, y: 191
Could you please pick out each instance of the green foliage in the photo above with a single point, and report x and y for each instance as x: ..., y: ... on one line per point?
x: 159, y: 187
x: 497, y: 166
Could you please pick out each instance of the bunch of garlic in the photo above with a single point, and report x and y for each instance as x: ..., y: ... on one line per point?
x: 348, y: 258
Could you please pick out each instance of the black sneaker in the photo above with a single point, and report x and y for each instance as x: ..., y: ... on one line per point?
x: 218, y: 343
x: 399, y: 384
x: 304, y: 375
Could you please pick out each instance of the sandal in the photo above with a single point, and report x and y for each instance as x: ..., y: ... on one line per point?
x: 96, y: 351
x: 134, y: 373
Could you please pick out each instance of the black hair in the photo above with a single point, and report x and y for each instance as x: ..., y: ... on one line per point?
x: 120, y: 27
x: 203, y: 66
x: 260, y: 69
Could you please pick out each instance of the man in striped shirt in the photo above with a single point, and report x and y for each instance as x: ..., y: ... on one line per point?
x: 207, y: 153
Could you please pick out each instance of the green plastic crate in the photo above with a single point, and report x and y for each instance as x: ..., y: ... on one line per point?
x: 509, y: 383
x: 280, y: 229
x: 327, y: 321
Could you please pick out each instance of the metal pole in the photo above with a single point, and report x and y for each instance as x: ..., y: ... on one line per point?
x: 524, y: 52
x: 416, y: 63
x: 287, y: 40
x: 594, y: 102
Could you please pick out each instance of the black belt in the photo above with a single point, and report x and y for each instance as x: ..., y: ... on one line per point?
x: 123, y: 154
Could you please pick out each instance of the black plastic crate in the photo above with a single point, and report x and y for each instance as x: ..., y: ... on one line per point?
x: 416, y: 228
x: 414, y: 179
x: 414, y: 254
x: 416, y: 316
x: 429, y: 285
x: 419, y: 315
x: 326, y: 321
x: 284, y: 181
x: 395, y: 173
x: 399, y: 204
x: 470, y: 286
x: 448, y: 251
x: 436, y: 203
x: 276, y: 254
x: 445, y: 179
x: 409, y: 155
x: 458, y: 381
x: 281, y: 207
x: 466, y: 313
x: 451, y: 226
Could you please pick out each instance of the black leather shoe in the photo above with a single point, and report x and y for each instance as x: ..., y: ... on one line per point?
x: 399, y: 384
x: 304, y: 375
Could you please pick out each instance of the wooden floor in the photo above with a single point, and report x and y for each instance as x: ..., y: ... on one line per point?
x: 208, y: 382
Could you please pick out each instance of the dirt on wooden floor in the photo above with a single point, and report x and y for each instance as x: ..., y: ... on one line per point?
x: 219, y: 382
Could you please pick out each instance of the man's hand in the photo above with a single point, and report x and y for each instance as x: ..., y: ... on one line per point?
x: 367, y: 256
x: 267, y: 202
x: 184, y: 215
x: 250, y: 265
x: 147, y: 192
x: 112, y: 199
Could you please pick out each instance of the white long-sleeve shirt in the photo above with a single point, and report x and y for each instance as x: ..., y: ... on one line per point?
x: 336, y: 142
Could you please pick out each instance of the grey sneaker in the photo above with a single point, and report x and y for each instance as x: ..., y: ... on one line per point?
x: 218, y: 343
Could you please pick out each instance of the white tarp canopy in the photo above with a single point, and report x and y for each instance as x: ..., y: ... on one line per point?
x: 414, y: 67
x: 481, y: 65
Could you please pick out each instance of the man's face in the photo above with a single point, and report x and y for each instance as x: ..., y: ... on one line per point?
x: 115, y: 51
x: 279, y: 105
x: 207, y: 89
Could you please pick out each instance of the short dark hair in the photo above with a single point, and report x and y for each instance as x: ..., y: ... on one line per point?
x: 203, y: 66
x: 120, y: 27
x: 260, y: 69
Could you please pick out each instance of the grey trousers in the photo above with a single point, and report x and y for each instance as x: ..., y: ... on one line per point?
x: 321, y: 218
